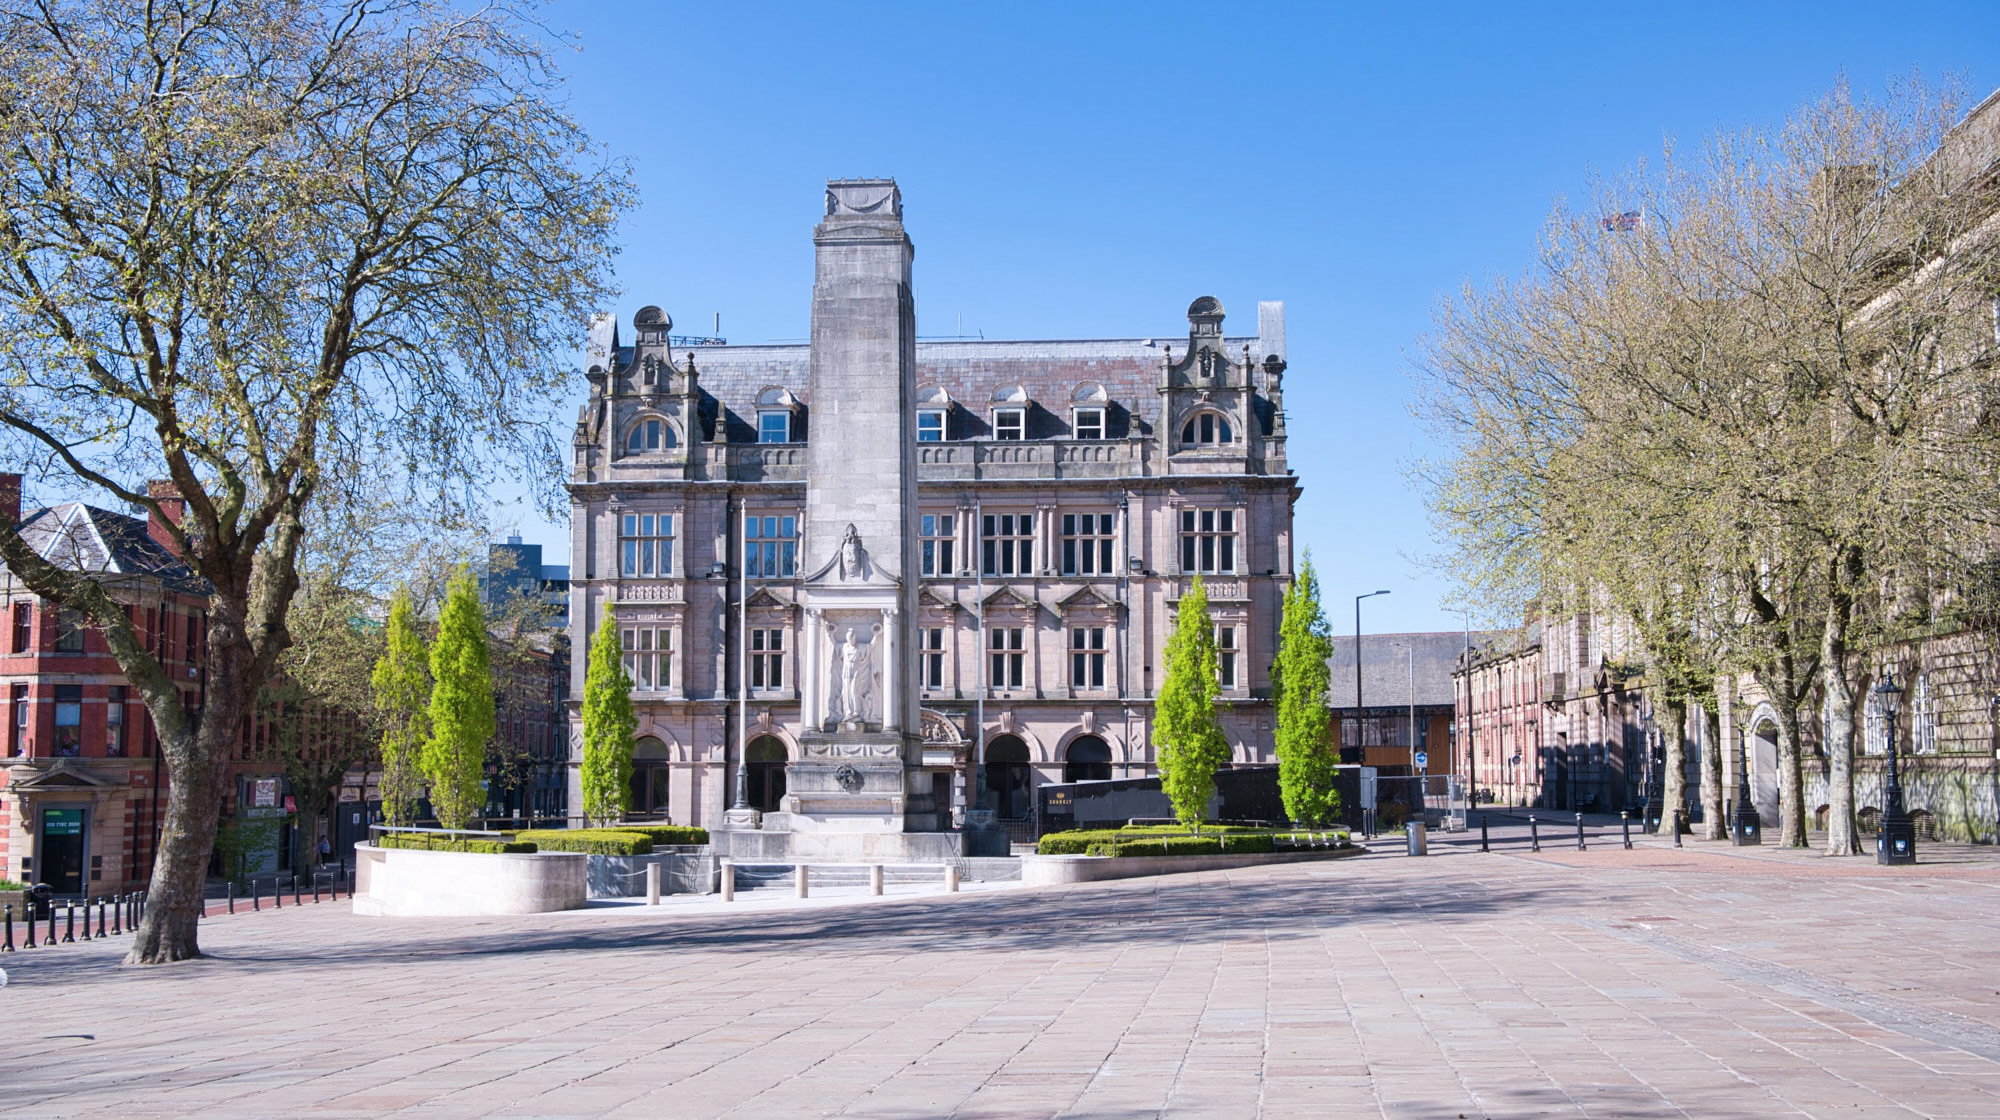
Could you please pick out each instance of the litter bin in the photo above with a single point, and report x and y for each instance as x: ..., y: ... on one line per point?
x: 1418, y: 844
x: 38, y: 901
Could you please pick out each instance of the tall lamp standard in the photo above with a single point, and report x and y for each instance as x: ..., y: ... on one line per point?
x: 1748, y: 828
x: 1650, y: 812
x: 1357, y: 667
x: 1896, y: 842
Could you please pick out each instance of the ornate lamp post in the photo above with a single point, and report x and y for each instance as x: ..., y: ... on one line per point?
x: 1748, y: 827
x: 1896, y: 841
x: 1649, y: 812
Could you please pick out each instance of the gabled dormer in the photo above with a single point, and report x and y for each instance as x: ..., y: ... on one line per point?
x: 1209, y: 393
x: 643, y: 416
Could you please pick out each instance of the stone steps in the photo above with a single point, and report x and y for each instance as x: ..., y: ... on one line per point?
x: 779, y: 876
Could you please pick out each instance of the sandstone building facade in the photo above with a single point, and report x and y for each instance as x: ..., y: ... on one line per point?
x: 1068, y: 493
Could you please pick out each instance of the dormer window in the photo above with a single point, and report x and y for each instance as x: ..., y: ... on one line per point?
x: 933, y: 408
x: 776, y: 407
x: 649, y: 435
x: 1010, y: 423
x: 1205, y: 429
x: 1089, y: 423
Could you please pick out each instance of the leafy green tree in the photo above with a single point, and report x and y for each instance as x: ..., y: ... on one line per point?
x: 402, y: 685
x: 1191, y: 746
x: 280, y: 257
x: 1306, y: 757
x: 461, y: 715
x: 608, y: 725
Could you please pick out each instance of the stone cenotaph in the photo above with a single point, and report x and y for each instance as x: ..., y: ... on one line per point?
x: 857, y: 788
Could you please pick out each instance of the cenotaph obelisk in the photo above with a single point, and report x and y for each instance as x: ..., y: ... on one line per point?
x: 856, y: 788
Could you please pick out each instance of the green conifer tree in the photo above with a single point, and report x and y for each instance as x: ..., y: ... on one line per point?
x: 608, y: 725
x: 1190, y: 744
x: 402, y: 687
x: 461, y: 717
x: 1306, y: 756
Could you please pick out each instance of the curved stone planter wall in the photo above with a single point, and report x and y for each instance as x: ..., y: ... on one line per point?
x: 1048, y: 871
x: 407, y: 883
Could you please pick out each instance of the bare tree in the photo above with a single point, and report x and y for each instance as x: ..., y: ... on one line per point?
x: 280, y: 254
x: 1749, y: 420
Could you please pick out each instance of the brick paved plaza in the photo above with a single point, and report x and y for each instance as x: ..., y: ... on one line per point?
x: 1695, y: 983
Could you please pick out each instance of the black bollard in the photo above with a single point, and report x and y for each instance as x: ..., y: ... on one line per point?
x: 51, y: 938
x: 1579, y: 832
x: 1534, y: 836
x: 28, y: 912
x: 315, y: 886
x: 69, y: 922
x: 86, y: 918
x: 7, y: 946
x: 144, y: 898
x: 229, y: 890
x: 101, y: 904
x: 1483, y: 845
x: 256, y: 902
x: 295, y: 888
x: 1625, y: 823
x: 277, y: 894
x: 118, y: 913
x: 1677, y: 828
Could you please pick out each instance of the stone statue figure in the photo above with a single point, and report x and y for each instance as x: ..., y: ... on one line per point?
x: 853, y: 558
x: 853, y: 677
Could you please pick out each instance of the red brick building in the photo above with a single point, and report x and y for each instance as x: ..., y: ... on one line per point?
x: 81, y: 786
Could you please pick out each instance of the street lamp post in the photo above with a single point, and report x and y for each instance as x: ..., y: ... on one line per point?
x: 1649, y: 813
x: 1896, y: 842
x: 1748, y: 828
x: 1357, y: 667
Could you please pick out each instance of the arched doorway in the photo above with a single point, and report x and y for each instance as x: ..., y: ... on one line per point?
x: 1087, y: 760
x: 1764, y: 771
x: 650, y: 777
x: 765, y: 763
x: 1008, y: 778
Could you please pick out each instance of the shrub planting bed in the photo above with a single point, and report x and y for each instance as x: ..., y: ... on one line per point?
x: 665, y: 834
x: 591, y: 841
x: 434, y: 842
x: 1217, y: 840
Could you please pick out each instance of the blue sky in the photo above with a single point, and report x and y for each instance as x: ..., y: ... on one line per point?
x: 1076, y: 170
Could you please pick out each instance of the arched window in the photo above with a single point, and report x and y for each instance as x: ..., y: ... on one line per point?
x: 1923, y: 717
x: 1008, y: 777
x: 1874, y: 728
x: 1087, y: 760
x: 649, y: 776
x: 765, y: 760
x: 1207, y: 428
x: 650, y: 434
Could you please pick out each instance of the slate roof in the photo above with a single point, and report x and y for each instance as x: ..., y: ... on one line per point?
x: 1050, y: 372
x: 1386, y: 667
x: 87, y: 539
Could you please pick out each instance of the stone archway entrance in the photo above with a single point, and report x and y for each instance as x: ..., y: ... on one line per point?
x: 650, y: 777
x: 1763, y: 750
x: 764, y: 761
x: 1009, y: 779
x: 1087, y: 760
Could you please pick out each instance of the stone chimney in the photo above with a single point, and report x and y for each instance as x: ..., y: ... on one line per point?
x: 173, y: 506
x: 10, y: 499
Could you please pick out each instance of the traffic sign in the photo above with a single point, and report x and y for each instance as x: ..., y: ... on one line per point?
x: 1423, y: 759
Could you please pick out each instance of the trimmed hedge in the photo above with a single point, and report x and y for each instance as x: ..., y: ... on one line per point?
x: 668, y: 833
x: 592, y: 841
x: 431, y: 842
x: 1172, y: 842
